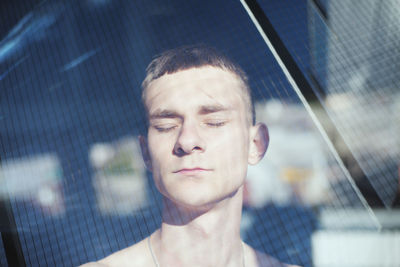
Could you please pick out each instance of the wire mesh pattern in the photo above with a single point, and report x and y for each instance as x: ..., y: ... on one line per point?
x: 361, y: 84
x: 70, y: 75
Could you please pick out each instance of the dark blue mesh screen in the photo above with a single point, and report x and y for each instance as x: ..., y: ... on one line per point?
x: 70, y: 112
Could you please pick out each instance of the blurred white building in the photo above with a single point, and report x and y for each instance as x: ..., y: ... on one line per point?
x: 354, y: 47
x: 355, y: 58
x: 119, y: 176
x: 295, y: 167
x: 36, y: 179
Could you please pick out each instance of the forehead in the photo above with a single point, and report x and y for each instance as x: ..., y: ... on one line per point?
x: 194, y: 84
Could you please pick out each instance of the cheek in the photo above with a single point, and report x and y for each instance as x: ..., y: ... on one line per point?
x: 160, y: 147
x: 233, y: 148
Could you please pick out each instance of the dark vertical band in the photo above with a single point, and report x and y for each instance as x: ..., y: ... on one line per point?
x: 9, y: 235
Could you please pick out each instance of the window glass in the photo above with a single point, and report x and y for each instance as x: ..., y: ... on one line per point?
x: 71, y: 112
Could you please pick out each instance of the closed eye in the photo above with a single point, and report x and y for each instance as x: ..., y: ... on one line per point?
x: 215, y: 123
x: 165, y: 128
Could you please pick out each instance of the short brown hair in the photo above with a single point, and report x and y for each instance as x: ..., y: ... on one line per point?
x: 195, y: 56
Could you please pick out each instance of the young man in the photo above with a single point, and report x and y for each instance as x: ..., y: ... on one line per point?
x: 201, y: 137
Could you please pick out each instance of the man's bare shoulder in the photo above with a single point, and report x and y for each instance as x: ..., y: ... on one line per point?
x: 135, y: 255
x: 261, y: 259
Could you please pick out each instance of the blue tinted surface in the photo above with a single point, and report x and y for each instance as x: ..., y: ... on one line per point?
x: 290, y: 21
x: 70, y: 73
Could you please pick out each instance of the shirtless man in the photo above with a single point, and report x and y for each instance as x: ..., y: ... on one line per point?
x: 201, y: 136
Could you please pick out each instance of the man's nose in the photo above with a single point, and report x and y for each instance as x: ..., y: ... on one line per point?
x: 189, y: 140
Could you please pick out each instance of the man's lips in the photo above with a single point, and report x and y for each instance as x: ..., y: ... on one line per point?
x: 195, y: 170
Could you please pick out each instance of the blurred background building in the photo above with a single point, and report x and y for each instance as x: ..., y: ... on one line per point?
x: 354, y: 60
x: 354, y: 48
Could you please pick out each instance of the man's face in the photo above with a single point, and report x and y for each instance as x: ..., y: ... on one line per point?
x: 198, y: 136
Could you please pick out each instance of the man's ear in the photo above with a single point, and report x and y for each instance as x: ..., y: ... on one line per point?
x: 259, y: 140
x: 145, y: 152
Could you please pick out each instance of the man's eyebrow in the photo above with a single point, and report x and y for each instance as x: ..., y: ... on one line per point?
x: 160, y: 114
x: 207, y: 109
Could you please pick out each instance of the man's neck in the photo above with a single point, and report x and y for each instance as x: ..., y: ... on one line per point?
x: 203, y: 237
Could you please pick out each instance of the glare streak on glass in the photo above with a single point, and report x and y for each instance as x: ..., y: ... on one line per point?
x: 75, y: 62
